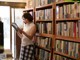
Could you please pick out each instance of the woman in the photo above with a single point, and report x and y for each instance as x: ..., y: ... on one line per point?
x: 27, y: 43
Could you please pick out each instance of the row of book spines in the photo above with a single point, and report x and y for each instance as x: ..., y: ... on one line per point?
x: 44, y: 28
x: 70, y: 48
x: 68, y: 11
x: 30, y: 3
x: 42, y: 2
x: 44, y: 55
x: 58, y: 57
x: 45, y: 14
x: 71, y: 29
x: 44, y: 42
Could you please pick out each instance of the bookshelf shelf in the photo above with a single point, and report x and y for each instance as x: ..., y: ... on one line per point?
x: 44, y: 35
x: 40, y: 47
x: 68, y: 19
x: 62, y: 54
x: 49, y: 20
x: 73, y: 39
x: 44, y: 7
x: 30, y: 9
x: 63, y: 2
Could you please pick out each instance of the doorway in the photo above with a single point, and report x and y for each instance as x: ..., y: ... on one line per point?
x: 17, y: 18
x: 9, y: 15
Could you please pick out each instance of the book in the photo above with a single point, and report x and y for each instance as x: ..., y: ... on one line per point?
x: 15, y: 26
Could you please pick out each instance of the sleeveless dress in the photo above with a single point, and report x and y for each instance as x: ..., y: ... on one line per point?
x: 27, y: 46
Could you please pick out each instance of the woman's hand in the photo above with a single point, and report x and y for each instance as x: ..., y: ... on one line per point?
x: 19, y: 33
x: 20, y: 30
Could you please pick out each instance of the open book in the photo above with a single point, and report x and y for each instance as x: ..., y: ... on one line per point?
x: 15, y: 26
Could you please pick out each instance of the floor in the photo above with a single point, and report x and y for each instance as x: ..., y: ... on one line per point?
x: 7, y: 55
x: 8, y: 59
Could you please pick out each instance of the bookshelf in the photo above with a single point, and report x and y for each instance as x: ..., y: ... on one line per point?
x: 67, y: 40
x: 58, y: 29
x: 44, y: 35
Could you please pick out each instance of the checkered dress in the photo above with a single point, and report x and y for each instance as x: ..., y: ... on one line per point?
x: 27, y: 52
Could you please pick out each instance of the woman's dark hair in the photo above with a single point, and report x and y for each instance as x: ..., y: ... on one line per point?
x: 28, y: 16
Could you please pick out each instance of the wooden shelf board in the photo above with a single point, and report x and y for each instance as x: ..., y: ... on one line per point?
x: 44, y: 20
x: 44, y: 7
x: 64, y: 2
x: 68, y: 19
x: 44, y: 35
x: 66, y: 55
x: 73, y: 39
x: 30, y: 9
x: 48, y: 50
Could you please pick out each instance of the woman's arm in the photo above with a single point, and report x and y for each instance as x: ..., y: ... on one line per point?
x: 19, y: 34
x: 31, y: 32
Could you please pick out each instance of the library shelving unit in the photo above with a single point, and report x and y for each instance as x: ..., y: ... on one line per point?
x: 44, y: 22
x: 67, y: 31
x: 43, y: 18
x: 58, y: 29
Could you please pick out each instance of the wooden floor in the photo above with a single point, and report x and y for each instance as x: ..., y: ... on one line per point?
x: 7, y: 55
x: 9, y: 59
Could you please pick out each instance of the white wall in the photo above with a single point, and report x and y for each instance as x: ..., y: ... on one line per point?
x: 14, y: 0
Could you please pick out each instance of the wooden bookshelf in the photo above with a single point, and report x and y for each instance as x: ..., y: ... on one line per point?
x: 73, y: 39
x: 43, y: 21
x: 44, y: 35
x: 71, y: 57
x: 63, y: 2
x: 68, y: 19
x: 62, y: 37
x: 30, y: 9
x: 40, y: 17
x: 40, y: 47
x: 44, y: 6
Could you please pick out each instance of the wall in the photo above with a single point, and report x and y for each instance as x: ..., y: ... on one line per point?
x: 14, y: 0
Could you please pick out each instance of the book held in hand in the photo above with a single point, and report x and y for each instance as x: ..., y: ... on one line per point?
x: 15, y: 26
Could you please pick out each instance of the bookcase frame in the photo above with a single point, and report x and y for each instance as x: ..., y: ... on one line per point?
x: 66, y: 38
x: 53, y: 35
x: 48, y: 6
